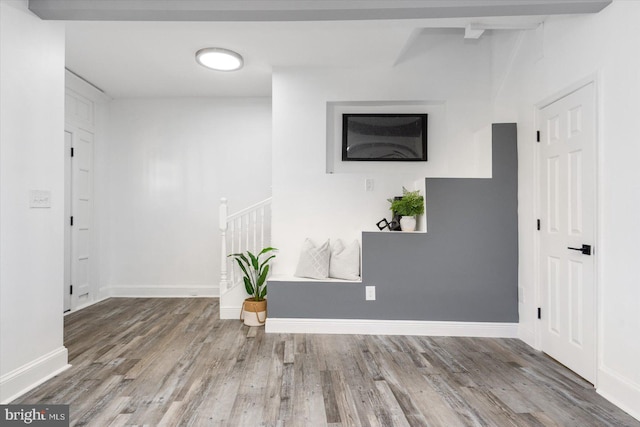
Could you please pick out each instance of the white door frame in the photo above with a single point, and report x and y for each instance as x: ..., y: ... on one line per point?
x: 68, y: 304
x: 592, y: 79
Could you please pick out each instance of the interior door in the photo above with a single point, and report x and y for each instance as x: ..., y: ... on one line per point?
x: 568, y: 206
x: 81, y: 207
x: 66, y: 291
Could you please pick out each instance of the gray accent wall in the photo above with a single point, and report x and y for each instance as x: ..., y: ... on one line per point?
x: 465, y: 268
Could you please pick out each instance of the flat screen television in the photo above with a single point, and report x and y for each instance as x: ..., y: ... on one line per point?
x: 384, y: 137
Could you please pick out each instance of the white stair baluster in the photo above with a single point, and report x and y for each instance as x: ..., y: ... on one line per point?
x: 241, y: 230
x: 224, y: 283
x: 233, y: 251
x: 246, y: 243
x: 262, y: 227
x: 254, y: 215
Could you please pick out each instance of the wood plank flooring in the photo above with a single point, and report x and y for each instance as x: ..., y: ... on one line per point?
x: 172, y: 362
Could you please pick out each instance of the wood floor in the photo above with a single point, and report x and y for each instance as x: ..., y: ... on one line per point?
x: 172, y: 362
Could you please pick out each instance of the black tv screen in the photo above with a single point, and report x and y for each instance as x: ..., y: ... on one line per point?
x: 384, y: 137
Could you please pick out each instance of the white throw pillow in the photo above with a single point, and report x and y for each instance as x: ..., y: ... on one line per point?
x: 314, y: 260
x: 345, y: 261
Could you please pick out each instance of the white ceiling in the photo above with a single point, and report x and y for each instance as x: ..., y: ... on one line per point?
x: 156, y: 58
x: 140, y: 59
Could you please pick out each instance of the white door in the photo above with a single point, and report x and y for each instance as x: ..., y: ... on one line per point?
x: 81, y: 195
x: 66, y: 291
x: 567, y: 209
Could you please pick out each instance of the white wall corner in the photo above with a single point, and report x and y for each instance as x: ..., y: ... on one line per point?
x: 619, y: 391
x: 19, y: 381
x: 104, y: 293
x: 392, y: 327
x: 483, y: 151
x: 527, y: 335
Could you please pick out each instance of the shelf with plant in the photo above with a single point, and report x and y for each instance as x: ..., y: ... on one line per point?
x: 408, y: 207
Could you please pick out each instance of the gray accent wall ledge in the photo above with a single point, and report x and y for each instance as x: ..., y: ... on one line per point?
x: 465, y: 268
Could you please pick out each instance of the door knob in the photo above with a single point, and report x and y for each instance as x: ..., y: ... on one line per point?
x: 585, y: 249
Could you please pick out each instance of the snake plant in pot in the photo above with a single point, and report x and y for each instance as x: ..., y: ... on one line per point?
x: 255, y: 270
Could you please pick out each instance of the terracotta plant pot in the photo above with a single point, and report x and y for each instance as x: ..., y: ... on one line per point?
x: 254, y: 313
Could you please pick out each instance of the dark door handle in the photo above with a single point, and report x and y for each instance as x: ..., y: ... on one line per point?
x: 585, y: 249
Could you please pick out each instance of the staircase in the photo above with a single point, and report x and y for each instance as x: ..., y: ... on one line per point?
x: 246, y: 230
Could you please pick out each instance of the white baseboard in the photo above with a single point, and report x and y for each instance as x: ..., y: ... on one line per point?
x: 159, y: 291
x: 230, y: 312
x: 19, y: 381
x: 619, y: 391
x: 392, y: 327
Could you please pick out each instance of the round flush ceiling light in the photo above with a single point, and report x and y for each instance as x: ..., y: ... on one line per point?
x: 219, y: 59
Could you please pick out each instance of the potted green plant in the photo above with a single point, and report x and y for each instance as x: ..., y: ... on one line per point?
x: 408, y: 207
x: 255, y: 271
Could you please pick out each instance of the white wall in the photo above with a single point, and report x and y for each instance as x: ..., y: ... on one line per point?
x: 167, y: 164
x: 566, y: 51
x: 443, y: 70
x: 31, y: 158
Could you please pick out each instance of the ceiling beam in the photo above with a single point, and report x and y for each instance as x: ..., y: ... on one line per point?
x: 475, y: 30
x: 301, y: 10
x: 471, y: 32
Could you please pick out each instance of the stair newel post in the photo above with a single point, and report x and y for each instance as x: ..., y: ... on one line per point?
x: 224, y: 282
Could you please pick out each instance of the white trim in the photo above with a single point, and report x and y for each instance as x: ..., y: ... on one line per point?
x: 277, y: 278
x: 19, y: 381
x: 557, y: 96
x: 599, y: 233
x: 84, y: 88
x: 232, y: 312
x: 537, y: 283
x: 619, y: 391
x: 392, y: 327
x: 160, y: 291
